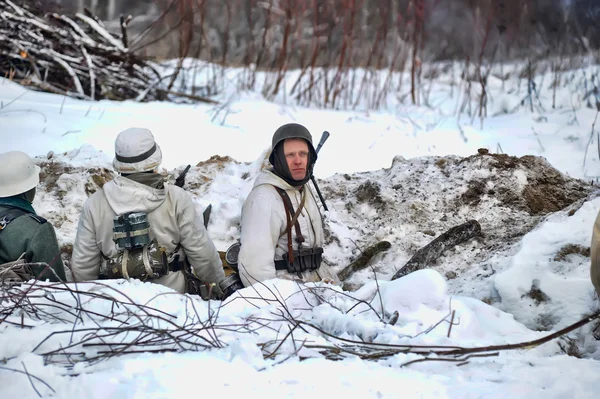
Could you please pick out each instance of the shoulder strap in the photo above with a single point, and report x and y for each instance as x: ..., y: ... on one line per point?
x: 291, y: 220
x: 9, y: 215
x: 300, y: 207
x: 38, y: 218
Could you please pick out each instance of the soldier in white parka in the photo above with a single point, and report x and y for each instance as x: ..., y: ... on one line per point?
x: 282, y: 226
x: 142, y: 197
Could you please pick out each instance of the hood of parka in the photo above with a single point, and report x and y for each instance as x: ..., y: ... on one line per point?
x: 126, y: 195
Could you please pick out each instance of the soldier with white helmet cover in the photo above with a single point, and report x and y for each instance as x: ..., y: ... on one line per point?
x: 139, y: 226
x: 24, y: 235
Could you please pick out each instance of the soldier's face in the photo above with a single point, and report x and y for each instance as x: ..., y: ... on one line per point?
x: 296, y: 155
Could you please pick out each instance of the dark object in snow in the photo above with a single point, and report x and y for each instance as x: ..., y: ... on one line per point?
x: 76, y: 57
x: 426, y: 255
x: 363, y: 259
x: 180, y: 181
x: 393, y: 318
x: 483, y: 151
x: 206, y: 215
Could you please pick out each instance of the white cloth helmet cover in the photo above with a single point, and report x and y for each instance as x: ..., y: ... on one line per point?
x: 18, y: 173
x: 136, y: 151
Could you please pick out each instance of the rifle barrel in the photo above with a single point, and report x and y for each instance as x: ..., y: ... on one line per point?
x: 312, y: 178
x: 324, y: 138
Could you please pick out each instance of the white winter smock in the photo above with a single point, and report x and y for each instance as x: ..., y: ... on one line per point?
x: 172, y: 217
x: 264, y: 236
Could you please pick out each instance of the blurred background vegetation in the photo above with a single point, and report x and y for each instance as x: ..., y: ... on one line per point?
x: 353, y: 33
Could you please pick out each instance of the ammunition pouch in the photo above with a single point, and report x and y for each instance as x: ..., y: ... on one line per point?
x: 304, y: 259
x: 195, y: 286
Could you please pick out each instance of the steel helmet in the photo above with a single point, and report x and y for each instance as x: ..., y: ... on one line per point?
x: 18, y: 173
x: 293, y: 131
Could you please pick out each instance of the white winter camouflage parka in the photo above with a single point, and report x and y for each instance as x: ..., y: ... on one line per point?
x: 172, y: 217
x: 264, y: 236
x: 595, y: 255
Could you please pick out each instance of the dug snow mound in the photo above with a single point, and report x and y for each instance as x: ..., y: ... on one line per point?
x: 408, y: 205
x: 416, y: 200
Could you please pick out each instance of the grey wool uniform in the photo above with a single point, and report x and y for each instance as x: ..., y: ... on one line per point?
x: 23, y: 234
x: 33, y: 236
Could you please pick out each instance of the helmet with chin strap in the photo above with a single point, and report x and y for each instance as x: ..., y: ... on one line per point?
x: 292, y: 131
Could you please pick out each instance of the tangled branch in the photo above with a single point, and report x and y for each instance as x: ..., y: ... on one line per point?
x: 77, y: 57
x: 99, y: 321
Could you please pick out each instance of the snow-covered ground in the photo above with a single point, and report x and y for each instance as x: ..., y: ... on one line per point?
x: 405, y: 175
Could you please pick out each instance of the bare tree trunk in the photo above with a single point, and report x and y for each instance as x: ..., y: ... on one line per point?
x: 112, y: 10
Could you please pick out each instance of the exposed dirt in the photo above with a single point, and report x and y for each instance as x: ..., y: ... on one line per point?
x: 216, y: 160
x: 572, y: 249
x: 546, y: 189
x: 408, y: 204
x: 50, y: 172
x: 415, y: 200
x: 370, y: 192
x: 98, y: 177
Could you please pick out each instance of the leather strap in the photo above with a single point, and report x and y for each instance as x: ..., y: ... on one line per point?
x: 11, y: 214
x: 288, y: 229
x: 292, y: 220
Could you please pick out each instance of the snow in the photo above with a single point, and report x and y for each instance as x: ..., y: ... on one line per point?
x: 570, y: 294
x: 396, y: 174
